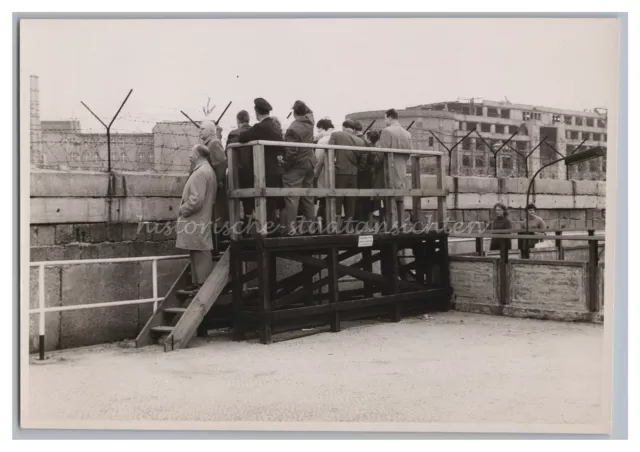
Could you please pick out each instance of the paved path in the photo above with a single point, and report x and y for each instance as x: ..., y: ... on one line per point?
x: 453, y: 367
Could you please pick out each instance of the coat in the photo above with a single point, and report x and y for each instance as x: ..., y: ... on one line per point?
x: 320, y: 169
x: 243, y: 156
x: 193, y: 228
x: 396, y: 137
x: 500, y: 223
x: 300, y: 131
x: 346, y: 161
x: 266, y: 130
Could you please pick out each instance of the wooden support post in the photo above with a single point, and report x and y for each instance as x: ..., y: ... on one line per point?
x: 390, y: 205
x: 236, y: 291
x: 560, y: 246
x: 593, y: 273
x: 479, y: 246
x: 367, y: 266
x: 264, y: 291
x: 393, y: 282
x: 334, y: 295
x: 419, y: 255
x: 416, y: 217
x: 259, y: 182
x: 234, y: 204
x: 331, y: 219
x: 504, y: 260
x: 441, y: 179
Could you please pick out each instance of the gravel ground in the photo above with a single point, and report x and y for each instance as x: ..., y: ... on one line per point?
x: 451, y: 368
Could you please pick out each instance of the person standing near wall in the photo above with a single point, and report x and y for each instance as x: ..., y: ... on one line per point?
x: 266, y: 129
x: 395, y: 136
x: 325, y: 129
x: 299, y: 164
x: 193, y: 228
x: 244, y: 159
x: 210, y: 135
x: 501, y: 221
x: 365, y: 178
x: 346, y: 166
x: 535, y: 224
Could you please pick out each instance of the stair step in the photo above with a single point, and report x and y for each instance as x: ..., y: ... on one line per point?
x: 175, y: 310
x: 186, y: 293
x: 162, y: 329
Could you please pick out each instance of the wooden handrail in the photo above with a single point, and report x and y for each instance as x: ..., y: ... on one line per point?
x: 415, y: 152
x: 585, y: 238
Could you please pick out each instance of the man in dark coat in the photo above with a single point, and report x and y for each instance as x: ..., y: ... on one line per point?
x: 299, y: 164
x: 266, y: 129
x: 346, y: 167
x: 244, y: 160
x: 365, y: 177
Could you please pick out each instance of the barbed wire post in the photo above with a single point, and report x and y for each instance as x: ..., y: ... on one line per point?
x: 450, y: 150
x: 108, y: 127
x: 495, y: 154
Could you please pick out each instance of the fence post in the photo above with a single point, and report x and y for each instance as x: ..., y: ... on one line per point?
x: 41, y: 343
x: 593, y: 272
x: 504, y: 259
x: 560, y: 246
x: 479, y: 246
x: 154, y: 273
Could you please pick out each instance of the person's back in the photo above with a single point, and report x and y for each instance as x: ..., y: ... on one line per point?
x: 396, y: 137
x: 346, y: 160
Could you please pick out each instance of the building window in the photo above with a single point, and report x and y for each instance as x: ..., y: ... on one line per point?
x: 480, y: 146
x: 492, y: 112
x: 537, y: 116
x: 579, y: 121
x: 85, y: 157
x: 150, y: 158
x: 507, y: 163
x: 74, y: 157
x: 526, y: 116
x: 141, y: 157
x: 521, y: 145
x: 505, y: 113
x: 596, y: 137
x: 570, y: 149
x: 479, y: 161
x: 123, y: 157
x: 466, y: 110
x: 594, y: 165
x: 485, y: 127
x: 430, y: 142
x: 466, y: 144
x: 479, y: 111
x: 586, y: 136
x: 568, y: 119
x: 604, y: 137
x: 96, y: 157
x: 555, y: 118
x: 589, y: 122
x: 466, y: 161
x: 472, y: 125
x: 575, y: 135
x: 512, y: 130
x: 602, y: 123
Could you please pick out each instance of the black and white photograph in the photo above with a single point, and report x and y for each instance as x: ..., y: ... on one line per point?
x: 318, y: 224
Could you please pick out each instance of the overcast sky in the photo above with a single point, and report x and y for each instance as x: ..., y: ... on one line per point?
x: 337, y: 66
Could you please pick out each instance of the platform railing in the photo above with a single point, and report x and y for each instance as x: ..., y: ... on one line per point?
x: 42, y: 310
x: 260, y: 192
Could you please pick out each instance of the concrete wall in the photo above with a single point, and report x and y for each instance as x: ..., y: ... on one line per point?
x: 475, y: 279
x: 96, y: 283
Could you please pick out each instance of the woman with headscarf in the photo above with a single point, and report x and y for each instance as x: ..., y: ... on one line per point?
x: 210, y: 134
x: 325, y: 129
x: 501, y: 221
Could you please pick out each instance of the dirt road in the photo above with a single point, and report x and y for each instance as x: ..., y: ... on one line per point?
x: 453, y: 367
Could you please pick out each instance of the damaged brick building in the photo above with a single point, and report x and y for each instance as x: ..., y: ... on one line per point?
x: 441, y: 125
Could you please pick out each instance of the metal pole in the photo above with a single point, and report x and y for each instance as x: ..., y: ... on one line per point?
x: 41, y: 343
x: 225, y: 110
x: 192, y: 121
x: 531, y: 184
x: 154, y: 276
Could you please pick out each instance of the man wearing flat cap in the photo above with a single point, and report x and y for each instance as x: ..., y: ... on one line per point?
x: 346, y: 167
x: 193, y: 228
x: 299, y: 164
x: 266, y: 129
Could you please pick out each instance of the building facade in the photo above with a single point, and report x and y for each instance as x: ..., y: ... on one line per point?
x: 502, y: 139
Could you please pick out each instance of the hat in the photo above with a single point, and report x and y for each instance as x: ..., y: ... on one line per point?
x: 300, y: 108
x: 262, y: 104
x: 350, y: 123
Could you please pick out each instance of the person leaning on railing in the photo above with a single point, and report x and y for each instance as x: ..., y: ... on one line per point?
x: 501, y: 221
x: 535, y: 224
x: 365, y: 178
x: 375, y: 161
x: 325, y: 129
x: 266, y: 129
x: 244, y: 161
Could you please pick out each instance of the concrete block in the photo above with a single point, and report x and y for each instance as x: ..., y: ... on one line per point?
x: 136, y: 249
x: 586, y: 202
x: 33, y: 236
x: 97, y: 283
x: 163, y: 231
x: 38, y: 253
x: 558, y: 287
x: 98, y: 232
x: 67, y: 210
x: 82, y: 233
x: 484, y: 215
x: 46, y: 235
x: 516, y: 185
x: 586, y: 187
x: 51, y: 287
x: 130, y: 232
x: 553, y: 187
x: 474, y: 280
x: 477, y: 185
x: 470, y: 215
x: 114, y: 232
x: 55, y: 253
x: 113, y: 250
x: 64, y: 234
x: 81, y: 251
x: 51, y: 332
x: 168, y: 272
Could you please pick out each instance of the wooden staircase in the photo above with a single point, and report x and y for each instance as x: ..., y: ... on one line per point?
x: 179, y: 314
